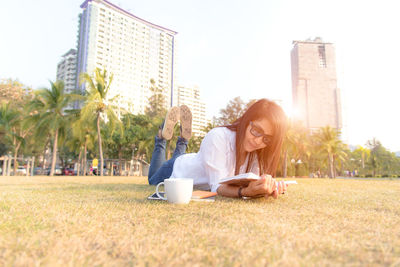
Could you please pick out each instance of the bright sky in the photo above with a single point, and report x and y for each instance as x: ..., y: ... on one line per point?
x: 237, y: 48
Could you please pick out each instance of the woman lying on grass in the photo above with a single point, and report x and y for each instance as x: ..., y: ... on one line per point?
x: 250, y: 144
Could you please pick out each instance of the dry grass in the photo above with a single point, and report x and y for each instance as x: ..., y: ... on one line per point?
x: 108, y: 222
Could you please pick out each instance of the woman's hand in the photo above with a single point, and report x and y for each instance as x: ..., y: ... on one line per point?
x: 280, y: 189
x: 266, y: 186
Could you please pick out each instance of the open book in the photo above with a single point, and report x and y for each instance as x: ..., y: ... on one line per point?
x: 244, y: 179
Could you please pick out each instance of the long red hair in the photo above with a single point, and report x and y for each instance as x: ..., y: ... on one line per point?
x: 268, y: 157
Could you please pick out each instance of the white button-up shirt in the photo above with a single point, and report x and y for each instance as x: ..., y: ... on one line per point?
x: 215, y: 160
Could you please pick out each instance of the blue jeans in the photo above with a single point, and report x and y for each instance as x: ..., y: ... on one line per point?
x: 160, y: 168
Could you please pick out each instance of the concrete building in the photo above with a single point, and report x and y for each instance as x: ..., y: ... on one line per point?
x: 131, y: 48
x: 66, y: 71
x: 316, y: 98
x: 190, y: 96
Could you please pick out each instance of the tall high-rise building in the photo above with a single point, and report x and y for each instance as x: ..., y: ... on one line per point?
x: 316, y: 97
x: 190, y: 96
x: 66, y: 71
x: 131, y: 48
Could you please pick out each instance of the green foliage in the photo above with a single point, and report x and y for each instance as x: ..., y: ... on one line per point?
x: 50, y: 114
x: 15, y: 128
x: 138, y: 139
x: 31, y: 131
x: 98, y: 106
x: 316, y: 153
x: 14, y: 92
x: 194, y: 144
x: 157, y: 102
x: 3, y: 149
x: 331, y: 146
x: 235, y: 108
x: 9, y: 122
x: 381, y: 160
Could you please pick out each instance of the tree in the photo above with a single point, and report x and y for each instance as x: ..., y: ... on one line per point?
x: 139, y: 135
x: 298, y: 146
x: 50, y: 104
x: 288, y: 146
x: 341, y: 156
x: 195, y: 141
x: 12, y: 91
x: 157, y: 102
x: 15, y: 126
x: 380, y: 159
x: 329, y: 143
x: 98, y: 105
x: 156, y: 112
x: 115, y: 142
x: 375, y: 147
x: 84, y: 132
x: 69, y: 149
x: 9, y: 123
x: 3, y: 147
x: 364, y: 154
x: 234, y: 109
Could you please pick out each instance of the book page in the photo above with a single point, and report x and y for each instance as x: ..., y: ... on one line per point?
x: 241, y: 179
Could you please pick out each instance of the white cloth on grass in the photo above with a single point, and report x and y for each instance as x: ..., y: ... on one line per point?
x: 215, y: 160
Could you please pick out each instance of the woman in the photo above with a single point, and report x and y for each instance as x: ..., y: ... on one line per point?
x: 250, y: 144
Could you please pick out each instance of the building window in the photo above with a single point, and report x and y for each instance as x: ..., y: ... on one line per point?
x: 321, y: 55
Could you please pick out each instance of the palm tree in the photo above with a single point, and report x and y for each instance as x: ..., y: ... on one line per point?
x: 288, y: 142
x: 296, y: 145
x: 9, y: 121
x: 16, y: 126
x: 365, y: 152
x: 376, y: 151
x: 97, y: 104
x: 51, y: 104
x: 330, y: 144
x: 84, y: 133
x: 341, y: 156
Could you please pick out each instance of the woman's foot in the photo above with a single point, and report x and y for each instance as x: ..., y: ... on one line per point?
x: 169, y: 123
x: 186, y: 121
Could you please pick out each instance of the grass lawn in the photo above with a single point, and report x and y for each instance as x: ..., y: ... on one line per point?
x: 108, y: 221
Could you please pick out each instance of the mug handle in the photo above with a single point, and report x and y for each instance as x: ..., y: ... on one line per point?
x: 157, y: 192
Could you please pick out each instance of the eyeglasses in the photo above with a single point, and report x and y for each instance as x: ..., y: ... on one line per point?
x: 257, y: 132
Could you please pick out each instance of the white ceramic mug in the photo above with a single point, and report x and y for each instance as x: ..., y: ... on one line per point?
x: 177, y: 190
